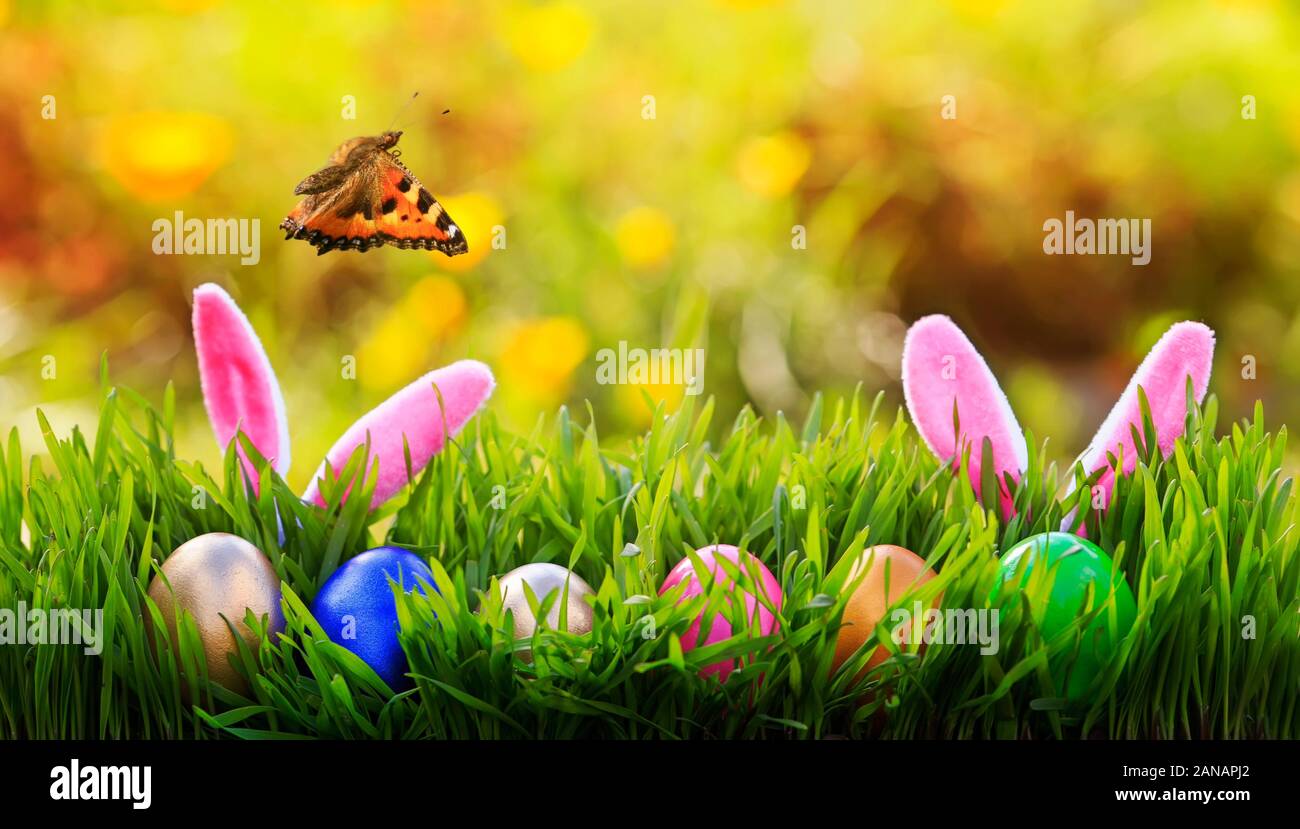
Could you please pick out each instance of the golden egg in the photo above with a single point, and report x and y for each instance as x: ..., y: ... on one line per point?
x: 870, y: 602
x: 543, y: 579
x: 218, y: 577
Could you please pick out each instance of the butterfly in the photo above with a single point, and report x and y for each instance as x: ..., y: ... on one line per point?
x: 365, y: 199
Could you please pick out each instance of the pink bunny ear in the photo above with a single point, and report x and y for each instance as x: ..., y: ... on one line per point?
x: 941, y: 368
x: 1185, y: 350
x: 239, y: 388
x: 412, y: 416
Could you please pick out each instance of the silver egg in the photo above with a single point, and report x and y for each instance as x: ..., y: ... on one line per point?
x: 543, y: 579
x: 217, y: 578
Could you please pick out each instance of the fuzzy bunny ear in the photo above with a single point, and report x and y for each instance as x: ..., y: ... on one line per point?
x: 1185, y: 350
x: 942, y: 371
x: 239, y: 388
x: 410, y: 417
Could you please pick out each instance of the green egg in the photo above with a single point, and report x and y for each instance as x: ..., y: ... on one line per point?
x: 1073, y: 565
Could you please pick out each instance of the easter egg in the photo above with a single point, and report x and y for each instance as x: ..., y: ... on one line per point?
x: 543, y: 579
x: 1074, y: 564
x: 873, y: 598
x: 217, y: 578
x: 719, y: 623
x: 358, y: 610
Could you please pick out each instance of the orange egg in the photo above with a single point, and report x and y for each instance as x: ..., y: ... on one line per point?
x: 869, y: 602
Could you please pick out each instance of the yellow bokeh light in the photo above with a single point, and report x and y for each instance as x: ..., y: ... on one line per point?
x: 772, y: 165
x: 164, y: 155
x: 632, y: 399
x: 189, y: 6
x: 540, y: 356
x: 478, y: 215
x: 433, y: 310
x: 437, y: 303
x: 645, y: 237
x: 549, y: 36
x: 978, y: 10
x: 393, y: 352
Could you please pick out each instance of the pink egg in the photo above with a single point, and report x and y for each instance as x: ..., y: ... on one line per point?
x: 720, y: 626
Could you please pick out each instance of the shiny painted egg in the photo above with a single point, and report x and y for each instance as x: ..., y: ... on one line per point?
x: 866, y: 608
x: 217, y: 578
x: 719, y: 623
x: 543, y: 579
x: 1074, y: 564
x: 358, y: 610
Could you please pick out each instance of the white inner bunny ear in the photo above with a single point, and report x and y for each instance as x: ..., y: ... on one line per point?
x: 282, y: 425
x: 1008, y: 416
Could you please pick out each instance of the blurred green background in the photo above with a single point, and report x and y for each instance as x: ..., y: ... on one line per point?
x: 671, y: 230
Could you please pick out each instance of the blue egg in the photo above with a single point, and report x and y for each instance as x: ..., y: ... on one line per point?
x: 358, y: 610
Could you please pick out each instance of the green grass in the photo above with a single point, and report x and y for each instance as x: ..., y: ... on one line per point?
x: 1205, y: 539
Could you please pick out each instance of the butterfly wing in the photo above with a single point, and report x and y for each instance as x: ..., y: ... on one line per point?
x: 374, y: 201
x: 322, y: 181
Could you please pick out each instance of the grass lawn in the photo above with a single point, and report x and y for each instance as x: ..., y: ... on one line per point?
x: 1206, y: 539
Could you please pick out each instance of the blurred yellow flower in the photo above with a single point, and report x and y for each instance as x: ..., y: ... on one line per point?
x: 437, y: 303
x: 984, y: 10
x: 539, y: 357
x: 631, y: 399
x: 1288, y: 197
x: 771, y: 165
x: 394, y: 351
x: 549, y: 36
x: 645, y: 237
x: 189, y: 6
x: 479, y: 216
x: 397, y: 350
x: 164, y: 155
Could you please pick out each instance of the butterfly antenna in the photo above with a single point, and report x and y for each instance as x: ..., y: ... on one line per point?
x: 403, y: 108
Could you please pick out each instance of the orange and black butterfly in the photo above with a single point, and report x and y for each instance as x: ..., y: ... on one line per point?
x: 365, y: 199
